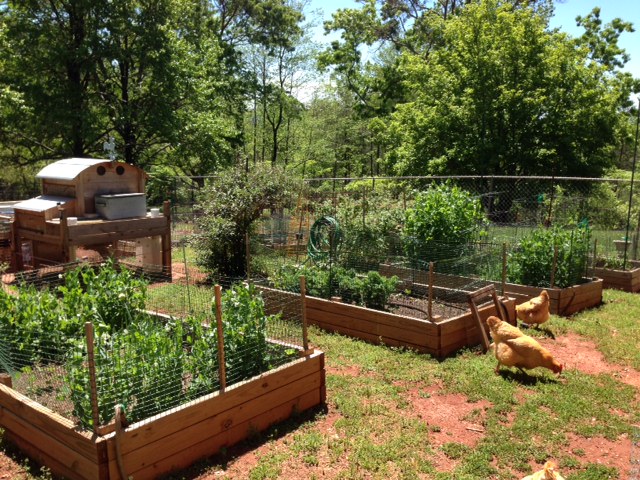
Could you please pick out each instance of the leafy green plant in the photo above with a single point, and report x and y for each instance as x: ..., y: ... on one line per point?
x: 443, y: 219
x: 370, y: 290
x: 108, y: 294
x: 230, y: 204
x: 531, y: 262
x: 244, y: 324
x: 140, y: 367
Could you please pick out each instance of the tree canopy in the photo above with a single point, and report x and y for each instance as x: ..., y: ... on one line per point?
x: 410, y: 88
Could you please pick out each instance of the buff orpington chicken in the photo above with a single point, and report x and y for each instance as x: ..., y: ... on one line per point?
x: 548, y: 472
x: 535, y: 311
x: 512, y: 348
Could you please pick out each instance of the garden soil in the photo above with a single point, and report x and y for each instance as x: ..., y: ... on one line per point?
x: 451, y: 416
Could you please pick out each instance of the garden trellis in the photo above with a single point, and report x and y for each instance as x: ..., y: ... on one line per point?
x: 81, y: 339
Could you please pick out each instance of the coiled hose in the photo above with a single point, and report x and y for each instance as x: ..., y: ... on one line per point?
x: 324, y: 239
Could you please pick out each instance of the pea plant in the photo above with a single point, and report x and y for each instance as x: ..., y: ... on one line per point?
x: 443, y: 220
x: 531, y: 261
x: 247, y: 351
x: 146, y: 363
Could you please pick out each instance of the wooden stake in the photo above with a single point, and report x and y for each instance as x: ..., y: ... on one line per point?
x: 303, y: 298
x: 220, y: 337
x: 554, y: 266
x: 429, y: 305
x: 504, y: 268
x: 120, y: 421
x: 5, y: 379
x: 165, y: 240
x: 88, y: 329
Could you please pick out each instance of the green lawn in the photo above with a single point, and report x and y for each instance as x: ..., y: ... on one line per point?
x: 375, y: 433
x: 528, y: 418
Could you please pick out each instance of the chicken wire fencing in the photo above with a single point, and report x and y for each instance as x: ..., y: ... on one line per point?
x: 82, y: 338
x: 428, y: 287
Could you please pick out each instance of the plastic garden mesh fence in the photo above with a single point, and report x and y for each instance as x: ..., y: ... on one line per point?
x: 147, y: 345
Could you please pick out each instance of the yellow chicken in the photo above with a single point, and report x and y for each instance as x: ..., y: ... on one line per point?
x: 536, y: 310
x: 548, y: 472
x: 513, y: 348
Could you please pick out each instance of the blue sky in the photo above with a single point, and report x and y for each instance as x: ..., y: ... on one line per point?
x: 564, y: 18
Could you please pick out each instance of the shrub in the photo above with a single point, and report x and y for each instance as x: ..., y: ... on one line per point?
x: 230, y: 205
x: 531, y: 262
x: 443, y: 219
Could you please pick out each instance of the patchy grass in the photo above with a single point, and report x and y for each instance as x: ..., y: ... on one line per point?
x: 613, y: 327
x: 526, y: 419
x: 180, y: 300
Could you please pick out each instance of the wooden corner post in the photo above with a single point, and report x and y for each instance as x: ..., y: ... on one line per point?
x: 303, y: 300
x: 166, y: 239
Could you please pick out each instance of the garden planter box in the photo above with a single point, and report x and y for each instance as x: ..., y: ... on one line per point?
x: 439, y: 338
x: 626, y: 280
x: 169, y: 441
x: 563, y: 301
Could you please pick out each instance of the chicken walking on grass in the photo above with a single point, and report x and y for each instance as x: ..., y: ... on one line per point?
x: 535, y: 311
x: 512, y: 348
x: 548, y: 472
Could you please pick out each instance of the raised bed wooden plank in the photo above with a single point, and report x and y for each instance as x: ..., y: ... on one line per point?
x: 56, y: 465
x: 561, y: 301
x: 377, y: 339
x: 48, y: 445
x: 233, y: 435
x: 626, y: 280
x: 421, y: 336
x: 428, y: 344
x: 391, y: 319
x: 179, y: 419
x: 62, y: 429
x: 217, y: 424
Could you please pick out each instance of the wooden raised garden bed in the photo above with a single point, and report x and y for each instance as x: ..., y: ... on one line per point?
x: 626, y: 280
x: 438, y: 338
x: 563, y: 301
x: 170, y: 441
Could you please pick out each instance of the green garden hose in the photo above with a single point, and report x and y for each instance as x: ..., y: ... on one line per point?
x: 324, y: 239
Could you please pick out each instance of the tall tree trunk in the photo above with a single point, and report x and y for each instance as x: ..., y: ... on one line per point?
x: 74, y: 77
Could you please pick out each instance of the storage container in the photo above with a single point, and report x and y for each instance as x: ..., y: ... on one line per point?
x: 121, y: 205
